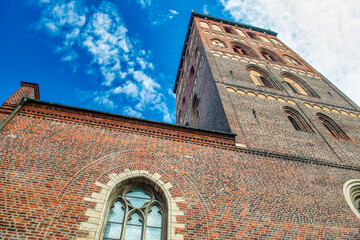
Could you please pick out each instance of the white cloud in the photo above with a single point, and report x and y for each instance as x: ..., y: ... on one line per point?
x: 322, y: 32
x: 205, y: 9
x: 128, y: 88
x: 99, y: 32
x: 144, y: 3
x: 172, y: 13
x: 131, y: 112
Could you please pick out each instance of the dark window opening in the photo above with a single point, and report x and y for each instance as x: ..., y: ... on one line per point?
x: 229, y: 30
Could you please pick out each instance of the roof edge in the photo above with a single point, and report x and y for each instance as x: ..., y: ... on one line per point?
x: 129, y: 117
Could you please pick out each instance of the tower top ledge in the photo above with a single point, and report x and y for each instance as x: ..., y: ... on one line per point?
x: 220, y: 20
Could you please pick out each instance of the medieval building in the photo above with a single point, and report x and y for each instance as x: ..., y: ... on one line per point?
x: 265, y: 147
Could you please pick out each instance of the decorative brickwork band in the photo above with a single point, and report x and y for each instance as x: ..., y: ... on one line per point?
x: 95, y: 225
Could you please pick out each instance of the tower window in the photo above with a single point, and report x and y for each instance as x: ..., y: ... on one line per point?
x: 204, y: 25
x: 297, y: 120
x: 332, y: 127
x: 260, y: 78
x: 137, y: 212
x: 218, y: 43
x: 216, y: 28
x: 291, y: 60
x: 298, y: 86
x: 241, y: 33
x: 264, y: 39
x: 270, y: 56
x: 229, y: 30
x: 252, y: 35
x: 276, y: 42
x: 240, y: 50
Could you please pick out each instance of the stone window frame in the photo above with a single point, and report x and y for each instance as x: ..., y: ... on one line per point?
x: 218, y: 40
x: 97, y: 217
x: 351, y: 191
x: 246, y: 48
x: 271, y: 56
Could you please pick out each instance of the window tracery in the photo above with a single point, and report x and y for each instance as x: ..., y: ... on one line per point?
x: 136, y: 213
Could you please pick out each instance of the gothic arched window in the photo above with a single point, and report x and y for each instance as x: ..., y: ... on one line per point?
x: 204, y: 25
x: 241, y: 33
x: 218, y: 43
x: 276, y: 42
x: 261, y: 78
x: 216, y: 28
x: 291, y: 60
x: 264, y: 39
x: 298, y: 86
x: 252, y: 35
x: 229, y: 30
x: 297, y: 120
x: 136, y: 212
x: 332, y: 127
x: 268, y: 55
x: 242, y: 49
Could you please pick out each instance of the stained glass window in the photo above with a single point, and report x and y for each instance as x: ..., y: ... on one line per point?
x: 136, y: 214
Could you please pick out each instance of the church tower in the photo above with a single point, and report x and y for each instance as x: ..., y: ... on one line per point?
x: 242, y: 79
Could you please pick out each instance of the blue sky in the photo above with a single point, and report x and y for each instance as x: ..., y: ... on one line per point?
x: 122, y: 56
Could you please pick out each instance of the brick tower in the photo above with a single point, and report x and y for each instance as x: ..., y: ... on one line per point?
x: 242, y: 79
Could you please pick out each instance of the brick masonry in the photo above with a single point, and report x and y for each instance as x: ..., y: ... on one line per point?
x: 59, y: 164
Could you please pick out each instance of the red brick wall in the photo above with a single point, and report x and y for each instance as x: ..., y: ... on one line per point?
x: 49, y: 164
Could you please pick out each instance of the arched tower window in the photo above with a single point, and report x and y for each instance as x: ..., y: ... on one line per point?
x: 332, y: 127
x: 271, y: 56
x: 252, y: 35
x: 216, y: 28
x: 264, y: 39
x: 204, y: 25
x: 291, y: 60
x: 137, y: 211
x: 195, y: 111
x: 241, y: 33
x: 297, y: 120
x: 242, y: 49
x: 183, y: 105
x: 262, y: 78
x: 276, y: 42
x: 218, y: 43
x: 229, y: 30
x: 298, y: 86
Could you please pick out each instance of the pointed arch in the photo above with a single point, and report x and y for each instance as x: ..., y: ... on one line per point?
x: 218, y: 43
x: 292, y: 60
x: 270, y: 55
x: 252, y: 35
x: 332, y: 127
x: 297, y: 120
x: 243, y: 49
x: 297, y: 85
x: 261, y: 77
x: 229, y: 30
